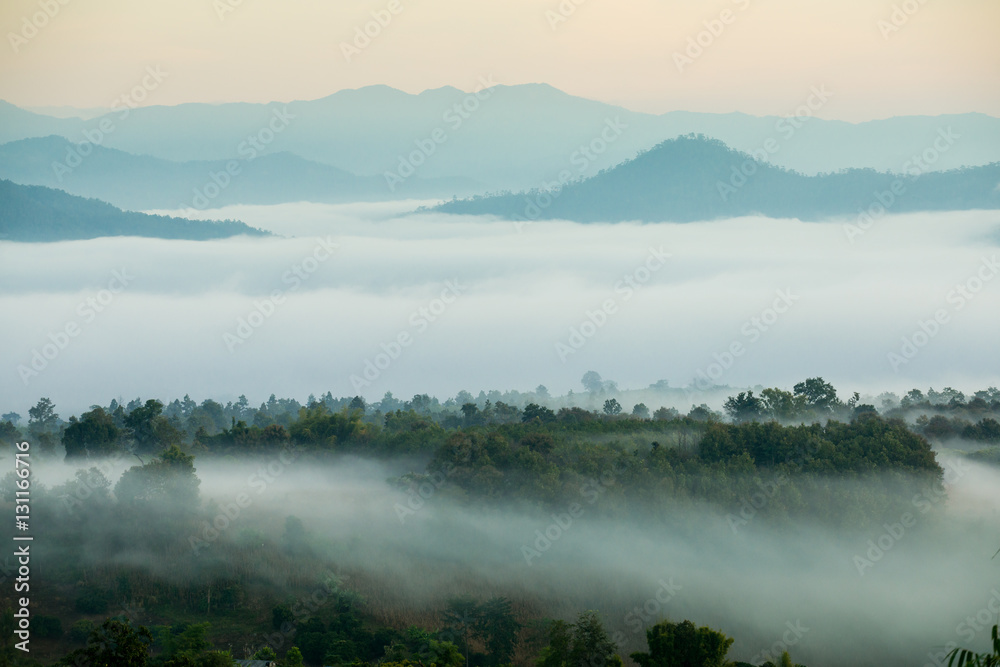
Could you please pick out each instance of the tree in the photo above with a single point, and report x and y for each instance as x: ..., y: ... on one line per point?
x: 115, y: 643
x: 460, y: 616
x: 93, y: 435
x: 592, y: 382
x: 612, y: 407
x: 781, y: 405
x: 591, y: 645
x: 43, y: 424
x: 357, y: 403
x: 170, y: 478
x: 265, y: 653
x: 471, y: 413
x: 498, y: 630
x: 294, y: 657
x: 534, y: 411
x: 744, y: 407
x: 582, y: 644
x: 640, y: 411
x: 151, y: 431
x: 666, y: 414
x: 683, y: 645
x: 43, y: 416
x: 556, y: 654
x: 818, y: 394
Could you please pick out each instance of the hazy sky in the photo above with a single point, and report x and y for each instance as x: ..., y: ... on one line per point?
x: 943, y: 58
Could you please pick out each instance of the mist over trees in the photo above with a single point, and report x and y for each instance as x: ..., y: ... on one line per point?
x: 136, y: 492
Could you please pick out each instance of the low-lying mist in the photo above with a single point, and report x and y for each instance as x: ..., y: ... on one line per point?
x: 923, y: 583
x: 436, y: 304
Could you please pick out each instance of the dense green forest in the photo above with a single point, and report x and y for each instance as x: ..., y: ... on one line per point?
x: 697, y: 178
x: 31, y: 213
x: 281, y: 595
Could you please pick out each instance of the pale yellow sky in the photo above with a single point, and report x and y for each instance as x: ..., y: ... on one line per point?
x: 945, y: 57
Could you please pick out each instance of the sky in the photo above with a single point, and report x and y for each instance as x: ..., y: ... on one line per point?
x: 883, y: 57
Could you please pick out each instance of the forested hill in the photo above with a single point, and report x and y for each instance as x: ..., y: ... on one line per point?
x: 35, y: 214
x: 697, y: 178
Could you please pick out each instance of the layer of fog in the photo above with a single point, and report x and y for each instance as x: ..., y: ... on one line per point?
x: 523, y: 290
x: 912, y: 601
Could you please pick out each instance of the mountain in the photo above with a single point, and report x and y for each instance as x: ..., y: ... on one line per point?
x: 696, y: 178
x: 140, y: 182
x: 34, y: 213
x: 510, y: 137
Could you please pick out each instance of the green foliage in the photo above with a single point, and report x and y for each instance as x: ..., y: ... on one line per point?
x: 91, y: 600
x: 243, y: 439
x: 965, y: 658
x: 535, y: 412
x: 93, y: 435
x: 581, y: 644
x: 281, y: 615
x: 80, y: 630
x: 293, y: 658
x: 170, y: 477
x: 47, y: 627
x: 115, y: 643
x: 151, y: 431
x: 683, y: 645
x: 744, y: 407
x: 496, y: 626
x: 318, y: 426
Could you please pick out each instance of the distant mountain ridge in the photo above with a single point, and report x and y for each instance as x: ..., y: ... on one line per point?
x: 509, y: 137
x: 38, y: 214
x: 696, y: 178
x: 141, y: 182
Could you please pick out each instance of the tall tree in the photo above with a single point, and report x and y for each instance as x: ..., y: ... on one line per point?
x: 683, y: 645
